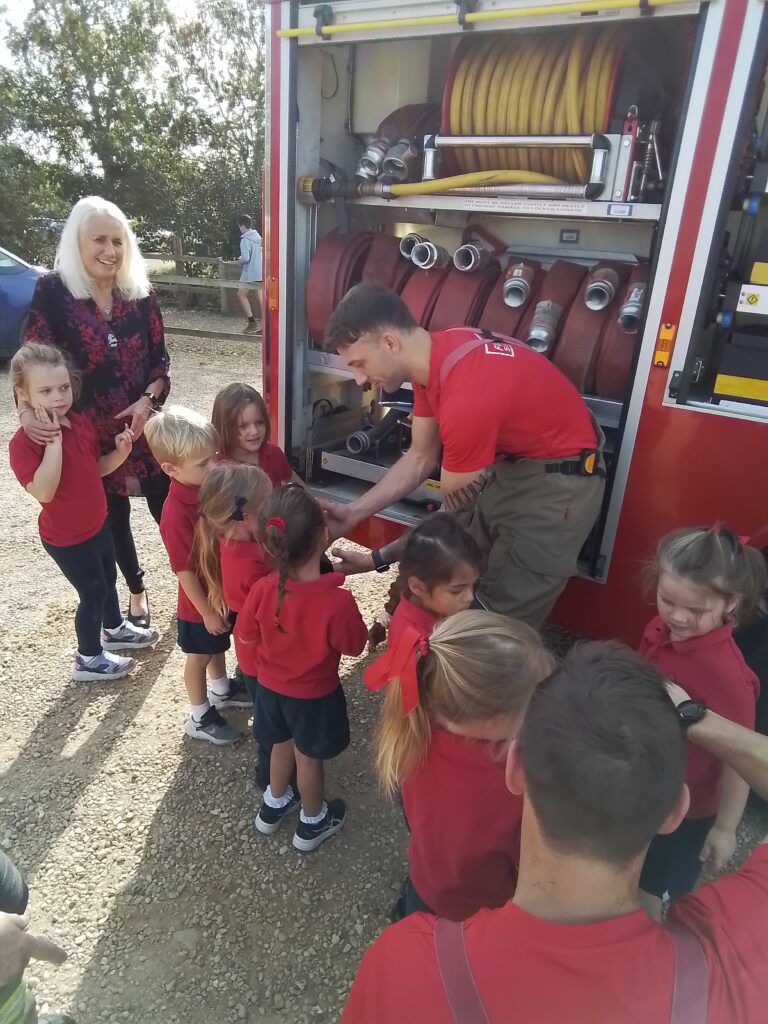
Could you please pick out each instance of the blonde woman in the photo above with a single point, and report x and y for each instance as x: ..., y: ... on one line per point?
x: 97, y: 305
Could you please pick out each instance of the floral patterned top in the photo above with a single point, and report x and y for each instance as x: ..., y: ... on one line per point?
x: 118, y: 359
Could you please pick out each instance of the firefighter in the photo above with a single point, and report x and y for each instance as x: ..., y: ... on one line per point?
x: 522, y: 463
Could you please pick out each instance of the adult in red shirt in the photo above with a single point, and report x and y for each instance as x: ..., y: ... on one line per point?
x: 600, y: 760
x: 521, y: 454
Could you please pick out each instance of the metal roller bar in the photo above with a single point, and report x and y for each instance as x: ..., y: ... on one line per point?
x: 596, y: 141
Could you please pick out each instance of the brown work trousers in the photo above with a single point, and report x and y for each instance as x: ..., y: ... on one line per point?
x: 530, y: 526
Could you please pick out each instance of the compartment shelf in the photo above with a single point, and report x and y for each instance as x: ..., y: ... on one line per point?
x: 520, y: 206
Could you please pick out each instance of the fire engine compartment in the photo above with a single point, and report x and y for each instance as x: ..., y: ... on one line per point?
x: 554, y: 241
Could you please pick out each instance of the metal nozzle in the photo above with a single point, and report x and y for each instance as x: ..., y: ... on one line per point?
x: 518, y: 284
x: 428, y: 256
x: 632, y: 309
x: 408, y: 243
x: 544, y: 325
x: 601, y: 287
x: 471, y: 257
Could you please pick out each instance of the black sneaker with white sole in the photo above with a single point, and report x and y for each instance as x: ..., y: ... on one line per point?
x: 214, y: 728
x: 267, y: 821
x: 127, y: 637
x: 308, y: 837
x: 236, y: 697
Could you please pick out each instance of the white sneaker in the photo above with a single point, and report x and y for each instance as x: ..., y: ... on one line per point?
x: 214, y: 728
x: 101, y: 668
x: 127, y: 637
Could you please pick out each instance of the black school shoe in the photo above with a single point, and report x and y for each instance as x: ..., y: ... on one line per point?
x: 268, y: 820
x: 143, y: 620
x: 308, y: 837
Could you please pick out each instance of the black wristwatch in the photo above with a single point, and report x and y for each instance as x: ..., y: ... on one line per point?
x: 378, y: 561
x: 157, y: 403
x: 690, y: 712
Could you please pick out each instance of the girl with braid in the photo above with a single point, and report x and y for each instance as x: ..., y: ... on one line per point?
x: 291, y: 633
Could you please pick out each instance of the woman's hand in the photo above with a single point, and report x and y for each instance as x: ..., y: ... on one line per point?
x: 124, y: 442
x: 139, y: 412
x: 39, y: 426
x: 351, y: 561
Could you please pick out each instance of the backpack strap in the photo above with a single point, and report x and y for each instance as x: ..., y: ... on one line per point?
x: 690, y: 991
x: 461, y: 992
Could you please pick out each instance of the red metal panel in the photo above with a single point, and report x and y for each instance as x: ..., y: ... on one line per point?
x: 271, y: 298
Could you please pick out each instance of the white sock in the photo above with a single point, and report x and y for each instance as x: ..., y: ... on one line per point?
x: 277, y: 802
x: 115, y: 629
x: 198, y: 710
x: 219, y: 686
x: 317, y: 818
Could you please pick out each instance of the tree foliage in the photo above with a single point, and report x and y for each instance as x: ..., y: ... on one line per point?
x: 163, y: 115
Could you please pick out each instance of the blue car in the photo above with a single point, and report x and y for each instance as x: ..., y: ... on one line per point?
x: 17, y: 285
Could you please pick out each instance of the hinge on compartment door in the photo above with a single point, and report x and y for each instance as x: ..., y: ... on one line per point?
x: 674, y: 383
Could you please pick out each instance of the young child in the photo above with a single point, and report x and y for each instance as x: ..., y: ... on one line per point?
x: 65, y: 477
x: 706, y: 581
x: 452, y: 703
x: 439, y: 568
x: 241, y: 420
x: 290, y: 635
x: 185, y: 446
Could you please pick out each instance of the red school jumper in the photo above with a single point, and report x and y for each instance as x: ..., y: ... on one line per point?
x: 243, y: 563
x: 501, y: 399
x: 177, y: 528
x: 710, y: 669
x: 620, y: 971
x: 272, y: 461
x: 319, y: 621
x: 464, y: 845
x: 78, y: 509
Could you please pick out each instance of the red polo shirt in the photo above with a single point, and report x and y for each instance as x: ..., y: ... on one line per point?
x: 465, y: 826
x: 501, y: 399
x: 409, y: 614
x: 78, y: 508
x: 243, y: 562
x: 272, y: 461
x: 319, y: 621
x: 612, y: 972
x: 712, y: 670
x: 177, y: 528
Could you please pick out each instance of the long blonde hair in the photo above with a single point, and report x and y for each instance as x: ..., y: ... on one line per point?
x: 228, y: 493
x: 479, y: 666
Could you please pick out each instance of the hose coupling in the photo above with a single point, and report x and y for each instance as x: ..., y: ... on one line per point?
x: 600, y: 288
x: 518, y: 284
x: 544, y: 326
x: 409, y: 242
x: 470, y: 257
x: 401, y: 161
x: 428, y: 256
x: 632, y: 308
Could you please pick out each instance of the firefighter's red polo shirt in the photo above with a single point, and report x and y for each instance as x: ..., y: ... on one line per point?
x: 501, y: 399
x: 711, y: 669
x: 530, y: 970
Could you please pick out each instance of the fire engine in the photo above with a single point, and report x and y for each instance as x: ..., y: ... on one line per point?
x: 584, y: 176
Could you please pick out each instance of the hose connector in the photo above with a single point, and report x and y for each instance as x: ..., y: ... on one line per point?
x: 409, y: 242
x: 600, y: 288
x: 471, y: 257
x: 518, y: 284
x: 401, y: 161
x: 369, y: 165
x: 544, y: 326
x: 428, y: 256
x: 632, y: 308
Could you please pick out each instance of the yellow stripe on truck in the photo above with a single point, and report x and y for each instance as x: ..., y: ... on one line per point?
x: 742, y: 387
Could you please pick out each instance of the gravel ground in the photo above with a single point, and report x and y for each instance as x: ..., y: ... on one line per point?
x: 138, y: 844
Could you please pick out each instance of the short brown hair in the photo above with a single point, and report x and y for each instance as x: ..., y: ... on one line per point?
x: 365, y: 308
x: 35, y: 353
x: 603, y: 754
x: 228, y: 405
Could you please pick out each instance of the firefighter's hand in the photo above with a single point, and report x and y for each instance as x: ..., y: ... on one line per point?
x: 18, y: 946
x: 340, y: 518
x: 718, y: 848
x: 351, y: 561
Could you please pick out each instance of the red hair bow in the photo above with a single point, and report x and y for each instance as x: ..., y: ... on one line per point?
x: 277, y: 522
x: 399, y: 663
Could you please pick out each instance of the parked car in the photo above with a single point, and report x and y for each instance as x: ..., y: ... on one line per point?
x: 17, y: 285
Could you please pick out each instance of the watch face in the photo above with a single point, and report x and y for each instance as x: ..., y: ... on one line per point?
x: 690, y: 711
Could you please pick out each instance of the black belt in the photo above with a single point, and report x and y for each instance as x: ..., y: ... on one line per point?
x: 587, y: 463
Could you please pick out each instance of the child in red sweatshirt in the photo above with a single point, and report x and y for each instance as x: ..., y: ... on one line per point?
x: 290, y: 636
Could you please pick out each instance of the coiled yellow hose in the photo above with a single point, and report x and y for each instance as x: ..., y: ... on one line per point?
x: 542, y: 83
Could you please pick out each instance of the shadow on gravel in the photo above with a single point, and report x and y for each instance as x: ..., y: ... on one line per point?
x: 217, y: 923
x: 45, y: 776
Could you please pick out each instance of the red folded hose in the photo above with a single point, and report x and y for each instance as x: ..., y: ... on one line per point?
x: 617, y: 348
x: 336, y: 266
x: 421, y: 292
x: 462, y: 298
x: 558, y: 288
x: 384, y: 264
x: 579, y: 340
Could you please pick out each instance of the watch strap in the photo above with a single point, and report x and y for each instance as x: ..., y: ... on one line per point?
x: 379, y: 564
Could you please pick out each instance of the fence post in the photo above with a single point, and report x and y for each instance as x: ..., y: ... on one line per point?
x: 178, y: 252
